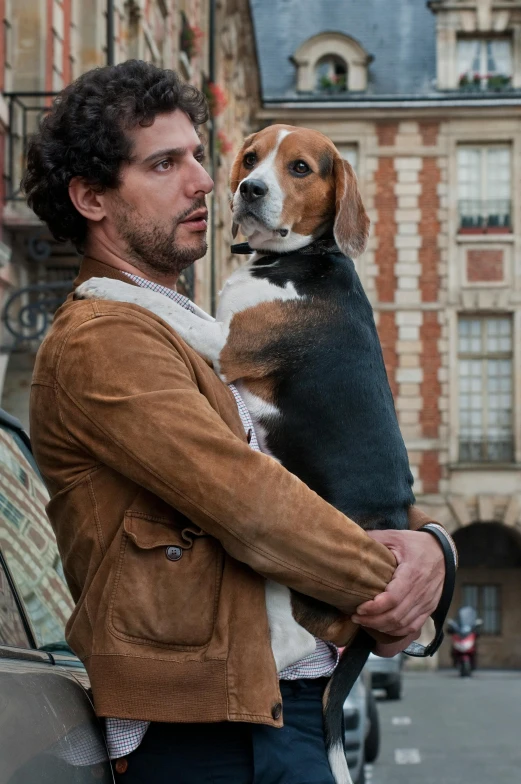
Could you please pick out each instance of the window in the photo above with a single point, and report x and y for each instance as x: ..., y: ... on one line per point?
x: 485, y: 389
x: 350, y: 153
x: 484, y: 64
x: 486, y: 600
x: 331, y: 74
x: 484, y: 190
x: 28, y: 545
x: 12, y: 631
x: 331, y: 62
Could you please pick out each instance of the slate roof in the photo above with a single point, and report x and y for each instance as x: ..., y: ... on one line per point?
x: 400, y: 34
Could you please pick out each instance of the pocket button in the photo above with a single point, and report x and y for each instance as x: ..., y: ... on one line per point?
x: 173, y: 553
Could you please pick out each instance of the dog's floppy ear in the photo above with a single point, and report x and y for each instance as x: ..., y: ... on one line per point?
x: 351, y: 227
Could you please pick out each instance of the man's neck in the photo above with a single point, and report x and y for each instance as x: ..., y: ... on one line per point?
x: 112, y: 257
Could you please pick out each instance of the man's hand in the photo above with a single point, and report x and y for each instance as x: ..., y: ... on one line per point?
x: 412, y: 595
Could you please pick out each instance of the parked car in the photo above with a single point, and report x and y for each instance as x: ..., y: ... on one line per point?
x: 49, y: 733
x: 387, y: 674
x: 361, y: 727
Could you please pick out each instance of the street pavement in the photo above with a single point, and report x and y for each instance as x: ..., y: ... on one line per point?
x: 451, y: 730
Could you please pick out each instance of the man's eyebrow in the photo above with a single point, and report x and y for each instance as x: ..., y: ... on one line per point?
x: 172, y: 152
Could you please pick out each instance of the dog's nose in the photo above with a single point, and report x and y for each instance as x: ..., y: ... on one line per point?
x: 251, y: 190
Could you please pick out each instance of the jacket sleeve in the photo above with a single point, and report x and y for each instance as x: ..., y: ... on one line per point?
x: 128, y: 396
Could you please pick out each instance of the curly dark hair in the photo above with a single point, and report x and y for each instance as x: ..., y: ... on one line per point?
x: 83, y: 135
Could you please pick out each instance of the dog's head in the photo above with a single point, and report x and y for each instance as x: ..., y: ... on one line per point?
x: 290, y: 186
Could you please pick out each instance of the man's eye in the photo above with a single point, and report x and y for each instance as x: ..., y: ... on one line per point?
x: 164, y: 165
x: 300, y: 167
x: 250, y: 159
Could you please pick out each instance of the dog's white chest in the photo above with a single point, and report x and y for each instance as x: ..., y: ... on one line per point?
x: 245, y: 290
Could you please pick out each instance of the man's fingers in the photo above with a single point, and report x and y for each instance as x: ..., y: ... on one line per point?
x: 397, y: 596
x: 411, y: 625
x: 387, y: 650
x: 383, y: 603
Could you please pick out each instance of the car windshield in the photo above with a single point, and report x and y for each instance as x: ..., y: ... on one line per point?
x: 28, y: 544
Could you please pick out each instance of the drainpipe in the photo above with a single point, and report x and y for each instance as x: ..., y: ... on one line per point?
x: 110, y: 32
x: 213, y: 162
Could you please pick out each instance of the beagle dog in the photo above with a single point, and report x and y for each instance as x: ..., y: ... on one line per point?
x: 295, y: 332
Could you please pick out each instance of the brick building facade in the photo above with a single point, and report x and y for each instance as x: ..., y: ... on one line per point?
x: 433, y: 129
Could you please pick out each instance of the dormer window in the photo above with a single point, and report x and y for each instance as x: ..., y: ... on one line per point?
x: 477, y: 45
x: 331, y: 74
x: 331, y: 62
x: 485, y: 63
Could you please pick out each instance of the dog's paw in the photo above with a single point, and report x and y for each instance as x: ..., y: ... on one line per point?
x: 105, y: 288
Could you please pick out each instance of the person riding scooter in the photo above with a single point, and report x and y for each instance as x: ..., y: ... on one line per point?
x: 464, y: 631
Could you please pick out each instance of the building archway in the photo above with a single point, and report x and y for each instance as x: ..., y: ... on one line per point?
x: 489, y: 578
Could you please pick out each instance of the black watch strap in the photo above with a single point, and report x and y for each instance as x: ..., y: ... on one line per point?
x: 439, y: 615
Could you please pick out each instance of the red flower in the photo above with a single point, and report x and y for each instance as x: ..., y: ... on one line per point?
x: 216, y: 97
x: 224, y: 145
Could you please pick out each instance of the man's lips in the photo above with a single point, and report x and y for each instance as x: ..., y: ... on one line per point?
x: 198, y: 220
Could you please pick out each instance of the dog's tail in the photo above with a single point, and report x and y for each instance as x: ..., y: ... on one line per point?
x: 341, y: 682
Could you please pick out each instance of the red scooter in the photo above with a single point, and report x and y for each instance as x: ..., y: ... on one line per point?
x: 464, y: 632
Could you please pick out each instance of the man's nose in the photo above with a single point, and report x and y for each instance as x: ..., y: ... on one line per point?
x: 200, y: 181
x: 253, y: 190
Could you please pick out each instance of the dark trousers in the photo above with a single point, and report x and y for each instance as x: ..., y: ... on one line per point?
x: 233, y: 753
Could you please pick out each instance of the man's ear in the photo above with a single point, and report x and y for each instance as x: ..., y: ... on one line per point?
x: 351, y: 227
x: 88, y: 201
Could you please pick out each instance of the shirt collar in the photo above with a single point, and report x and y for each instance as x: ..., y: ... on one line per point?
x: 167, y: 292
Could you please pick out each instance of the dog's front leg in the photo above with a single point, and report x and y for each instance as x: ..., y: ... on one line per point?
x: 200, y: 331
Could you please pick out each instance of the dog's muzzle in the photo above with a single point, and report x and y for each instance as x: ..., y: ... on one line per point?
x: 252, y: 190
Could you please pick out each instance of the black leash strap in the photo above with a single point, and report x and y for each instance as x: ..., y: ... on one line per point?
x: 439, y: 615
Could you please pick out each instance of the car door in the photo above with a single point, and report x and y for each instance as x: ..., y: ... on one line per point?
x: 49, y: 733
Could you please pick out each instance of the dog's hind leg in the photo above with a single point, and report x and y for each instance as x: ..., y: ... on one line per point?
x: 290, y: 642
x: 337, y: 690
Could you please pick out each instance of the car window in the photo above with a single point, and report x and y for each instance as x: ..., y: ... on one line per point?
x: 28, y: 545
x: 12, y: 630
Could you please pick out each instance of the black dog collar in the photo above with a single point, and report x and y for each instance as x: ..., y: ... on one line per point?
x: 320, y: 247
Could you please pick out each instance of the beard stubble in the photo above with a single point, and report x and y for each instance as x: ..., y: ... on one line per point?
x: 155, y: 247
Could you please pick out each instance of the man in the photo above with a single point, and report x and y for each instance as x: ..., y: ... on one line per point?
x: 167, y: 519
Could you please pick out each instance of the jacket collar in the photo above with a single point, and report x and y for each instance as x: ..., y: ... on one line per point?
x: 92, y: 268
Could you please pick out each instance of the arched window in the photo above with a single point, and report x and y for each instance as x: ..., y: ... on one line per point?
x: 331, y: 62
x: 331, y: 74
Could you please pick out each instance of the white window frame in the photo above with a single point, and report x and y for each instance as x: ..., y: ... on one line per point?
x: 485, y: 356
x: 483, y: 58
x: 350, y: 153
x: 485, y: 212
x: 491, y: 617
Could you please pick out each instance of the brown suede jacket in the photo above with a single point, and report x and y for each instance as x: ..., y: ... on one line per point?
x: 166, y: 520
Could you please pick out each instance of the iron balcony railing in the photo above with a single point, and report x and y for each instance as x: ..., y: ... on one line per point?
x: 25, y: 112
x: 490, y: 449
x: 485, y: 213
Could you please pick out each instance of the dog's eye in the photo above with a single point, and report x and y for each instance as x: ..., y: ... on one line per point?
x: 250, y: 159
x: 300, y: 167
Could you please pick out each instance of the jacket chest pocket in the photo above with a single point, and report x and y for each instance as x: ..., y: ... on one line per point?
x: 167, y: 584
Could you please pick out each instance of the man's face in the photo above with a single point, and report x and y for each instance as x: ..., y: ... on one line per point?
x: 158, y: 215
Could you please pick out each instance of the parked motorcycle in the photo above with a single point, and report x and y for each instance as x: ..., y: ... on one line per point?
x: 464, y: 632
